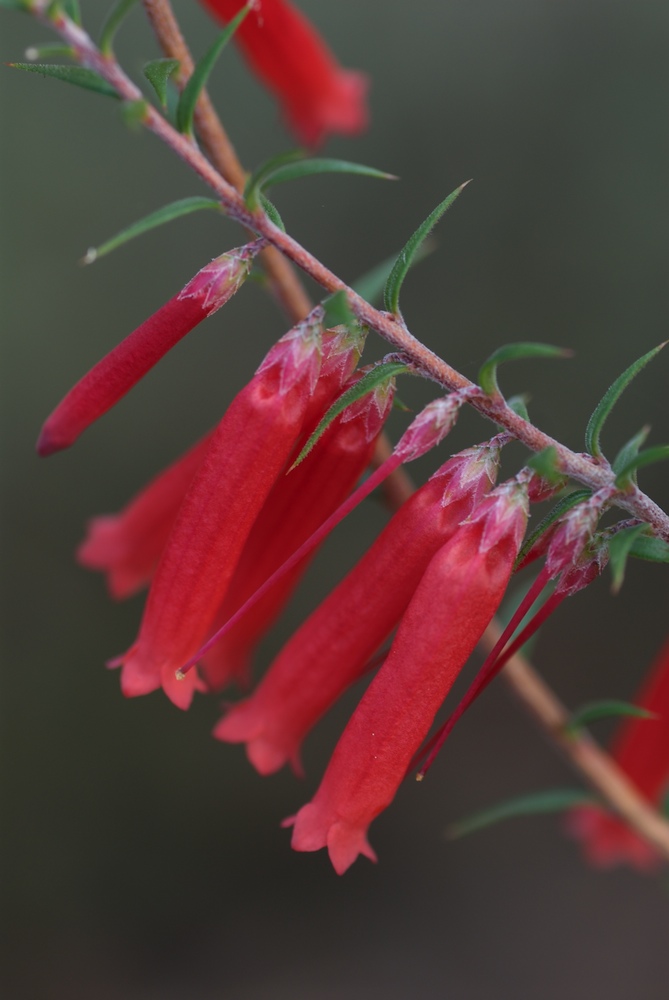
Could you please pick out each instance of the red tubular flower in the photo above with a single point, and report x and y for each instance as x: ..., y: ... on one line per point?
x: 332, y: 648
x: 127, y: 546
x: 123, y: 367
x: 285, y: 51
x: 248, y: 450
x: 641, y: 750
x: 298, y: 504
x: 457, y: 596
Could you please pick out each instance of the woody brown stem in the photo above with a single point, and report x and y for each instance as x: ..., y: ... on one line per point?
x: 284, y: 283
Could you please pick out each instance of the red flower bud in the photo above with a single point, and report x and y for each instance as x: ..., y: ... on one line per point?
x: 127, y: 546
x: 282, y: 47
x: 300, y: 501
x: 641, y: 750
x: 248, y: 450
x: 457, y: 596
x: 332, y: 648
x: 118, y: 371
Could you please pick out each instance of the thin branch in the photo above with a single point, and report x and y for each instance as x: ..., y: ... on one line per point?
x: 592, y: 763
x: 284, y: 283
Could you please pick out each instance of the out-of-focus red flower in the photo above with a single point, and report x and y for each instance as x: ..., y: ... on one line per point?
x: 458, y: 595
x: 318, y: 96
x: 332, y: 648
x: 112, y: 377
x: 127, y: 546
x: 641, y: 750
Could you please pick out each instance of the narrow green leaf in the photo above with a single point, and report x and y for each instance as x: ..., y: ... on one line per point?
x: 556, y: 800
x: 196, y: 83
x: 292, y: 166
x: 519, y: 406
x: 14, y: 4
x: 400, y: 269
x: 630, y: 450
x: 36, y: 53
x: 620, y: 547
x: 380, y: 373
x: 565, y: 504
x: 651, y: 549
x: 626, y: 476
x: 165, y: 214
x: 370, y: 285
x: 545, y: 464
x: 158, y: 72
x: 337, y: 311
x: 609, y: 400
x: 77, y: 75
x: 596, y: 710
x: 515, y: 352
x: 73, y: 11
x: 272, y: 212
x: 113, y: 22
x: 254, y: 185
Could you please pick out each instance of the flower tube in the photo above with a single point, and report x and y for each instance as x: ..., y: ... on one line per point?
x: 640, y: 749
x: 127, y: 546
x: 318, y: 96
x: 299, y: 502
x: 332, y: 648
x: 249, y: 449
x: 112, y: 377
x: 456, y: 598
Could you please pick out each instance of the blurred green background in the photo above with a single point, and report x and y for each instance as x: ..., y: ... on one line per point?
x: 141, y: 858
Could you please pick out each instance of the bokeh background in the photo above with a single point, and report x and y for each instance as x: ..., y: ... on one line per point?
x: 143, y: 860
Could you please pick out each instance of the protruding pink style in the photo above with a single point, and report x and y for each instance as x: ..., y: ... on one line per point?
x: 318, y: 97
x: 641, y: 750
x: 457, y: 596
x: 332, y: 648
x: 248, y: 451
x: 300, y: 501
x: 112, y: 377
x: 127, y: 546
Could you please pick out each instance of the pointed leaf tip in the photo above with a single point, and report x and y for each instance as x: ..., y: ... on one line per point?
x: 610, y: 398
x: 539, y: 803
x: 158, y: 73
x: 197, y: 82
x: 175, y: 210
x: 596, y: 710
x: 76, y: 75
x: 515, y: 352
x: 391, y: 294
